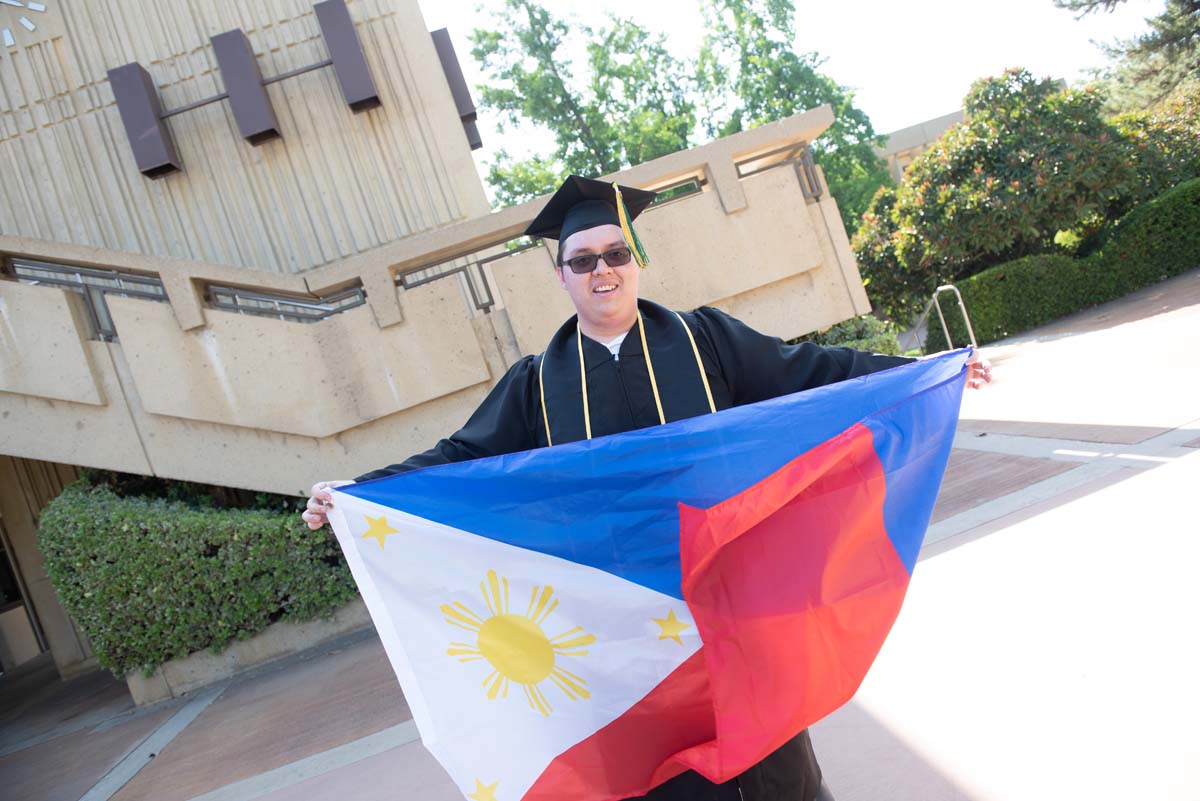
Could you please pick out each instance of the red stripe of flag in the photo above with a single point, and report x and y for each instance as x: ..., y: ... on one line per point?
x: 793, y: 585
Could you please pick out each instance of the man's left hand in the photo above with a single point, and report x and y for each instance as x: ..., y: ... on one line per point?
x: 979, y: 372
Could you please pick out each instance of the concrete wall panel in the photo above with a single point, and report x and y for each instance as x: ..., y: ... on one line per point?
x: 288, y: 463
x: 529, y: 291
x: 75, y: 433
x: 313, y: 379
x: 41, y: 345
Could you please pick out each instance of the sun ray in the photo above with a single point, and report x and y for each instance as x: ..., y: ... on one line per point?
x: 567, y: 683
x: 557, y: 682
x: 496, y: 686
x: 537, y: 699
x: 570, y: 675
x: 547, y: 591
x: 566, y: 633
x: 466, y: 610
x: 465, y: 652
x: 516, y: 647
x: 549, y: 610
x: 495, y: 598
x: 486, y: 598
x: 583, y: 639
x: 543, y: 702
x: 470, y: 621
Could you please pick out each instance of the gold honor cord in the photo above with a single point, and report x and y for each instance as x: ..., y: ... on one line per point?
x: 587, y: 418
x: 712, y: 407
x: 650, y: 369
x: 542, y: 393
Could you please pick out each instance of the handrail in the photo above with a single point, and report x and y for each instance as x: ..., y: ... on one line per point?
x: 935, y: 303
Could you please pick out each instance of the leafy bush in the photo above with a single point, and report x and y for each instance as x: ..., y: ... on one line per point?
x: 1163, y: 144
x: 1153, y: 242
x: 1028, y: 160
x: 862, y: 333
x: 893, y: 288
x: 149, y: 579
x: 1032, y: 169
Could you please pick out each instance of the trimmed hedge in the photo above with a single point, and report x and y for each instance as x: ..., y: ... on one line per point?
x: 861, y: 333
x: 150, y: 580
x: 1155, y: 241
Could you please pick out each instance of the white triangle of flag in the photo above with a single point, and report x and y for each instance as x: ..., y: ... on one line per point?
x: 507, y: 657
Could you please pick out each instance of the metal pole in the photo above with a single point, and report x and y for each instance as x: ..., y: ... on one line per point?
x: 963, y: 308
x: 942, y: 317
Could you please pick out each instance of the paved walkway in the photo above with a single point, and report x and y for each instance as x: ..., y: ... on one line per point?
x: 1046, y: 649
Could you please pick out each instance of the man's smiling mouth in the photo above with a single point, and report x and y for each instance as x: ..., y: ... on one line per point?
x: 604, y: 289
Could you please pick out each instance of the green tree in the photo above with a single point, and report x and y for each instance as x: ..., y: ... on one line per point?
x: 1162, y: 143
x: 1027, y: 161
x: 614, y: 96
x: 750, y: 74
x: 895, y: 290
x: 1151, y: 66
x: 631, y: 101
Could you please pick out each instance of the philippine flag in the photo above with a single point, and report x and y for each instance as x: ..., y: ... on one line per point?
x: 584, y: 622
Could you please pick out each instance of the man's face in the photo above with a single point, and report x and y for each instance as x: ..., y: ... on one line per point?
x: 605, y: 298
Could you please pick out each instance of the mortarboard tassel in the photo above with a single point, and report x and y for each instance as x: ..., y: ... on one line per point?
x: 631, y: 237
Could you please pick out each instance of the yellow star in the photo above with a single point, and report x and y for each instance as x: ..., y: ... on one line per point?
x: 378, y: 528
x: 671, y: 627
x: 484, y: 792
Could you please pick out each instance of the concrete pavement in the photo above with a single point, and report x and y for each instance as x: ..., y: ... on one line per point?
x: 1046, y: 649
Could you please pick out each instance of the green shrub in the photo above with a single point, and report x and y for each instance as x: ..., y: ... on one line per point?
x: 1028, y: 160
x: 1153, y: 242
x: 149, y: 579
x: 862, y: 333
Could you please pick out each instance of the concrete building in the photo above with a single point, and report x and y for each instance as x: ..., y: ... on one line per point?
x: 903, y: 146
x: 313, y: 283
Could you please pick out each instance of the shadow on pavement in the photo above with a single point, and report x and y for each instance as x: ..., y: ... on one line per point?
x: 864, y: 760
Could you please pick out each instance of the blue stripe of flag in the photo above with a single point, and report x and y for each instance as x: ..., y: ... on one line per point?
x: 612, y: 503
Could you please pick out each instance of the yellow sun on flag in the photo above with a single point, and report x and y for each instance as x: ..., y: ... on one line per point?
x: 516, y: 646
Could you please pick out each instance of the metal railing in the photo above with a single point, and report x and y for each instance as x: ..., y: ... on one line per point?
x: 934, y: 303
x: 93, y: 285
x: 285, y: 307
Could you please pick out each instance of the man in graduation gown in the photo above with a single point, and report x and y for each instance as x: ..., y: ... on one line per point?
x: 624, y: 363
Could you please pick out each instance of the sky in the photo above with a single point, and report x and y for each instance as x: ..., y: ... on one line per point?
x: 907, y: 62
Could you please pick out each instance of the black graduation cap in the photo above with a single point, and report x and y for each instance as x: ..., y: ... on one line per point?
x: 582, y: 203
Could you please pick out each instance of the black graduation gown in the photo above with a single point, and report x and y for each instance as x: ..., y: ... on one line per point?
x: 742, y: 366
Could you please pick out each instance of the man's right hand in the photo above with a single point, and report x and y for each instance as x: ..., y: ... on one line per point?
x: 319, y: 503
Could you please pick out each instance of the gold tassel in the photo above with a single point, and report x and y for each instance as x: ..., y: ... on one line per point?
x: 631, y: 237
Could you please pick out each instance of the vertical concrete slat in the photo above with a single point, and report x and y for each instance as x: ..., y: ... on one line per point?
x: 722, y: 174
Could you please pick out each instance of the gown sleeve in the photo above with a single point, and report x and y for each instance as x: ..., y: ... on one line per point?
x: 503, y: 423
x: 757, y: 367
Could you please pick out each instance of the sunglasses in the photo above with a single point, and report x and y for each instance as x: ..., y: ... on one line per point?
x: 581, y: 265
